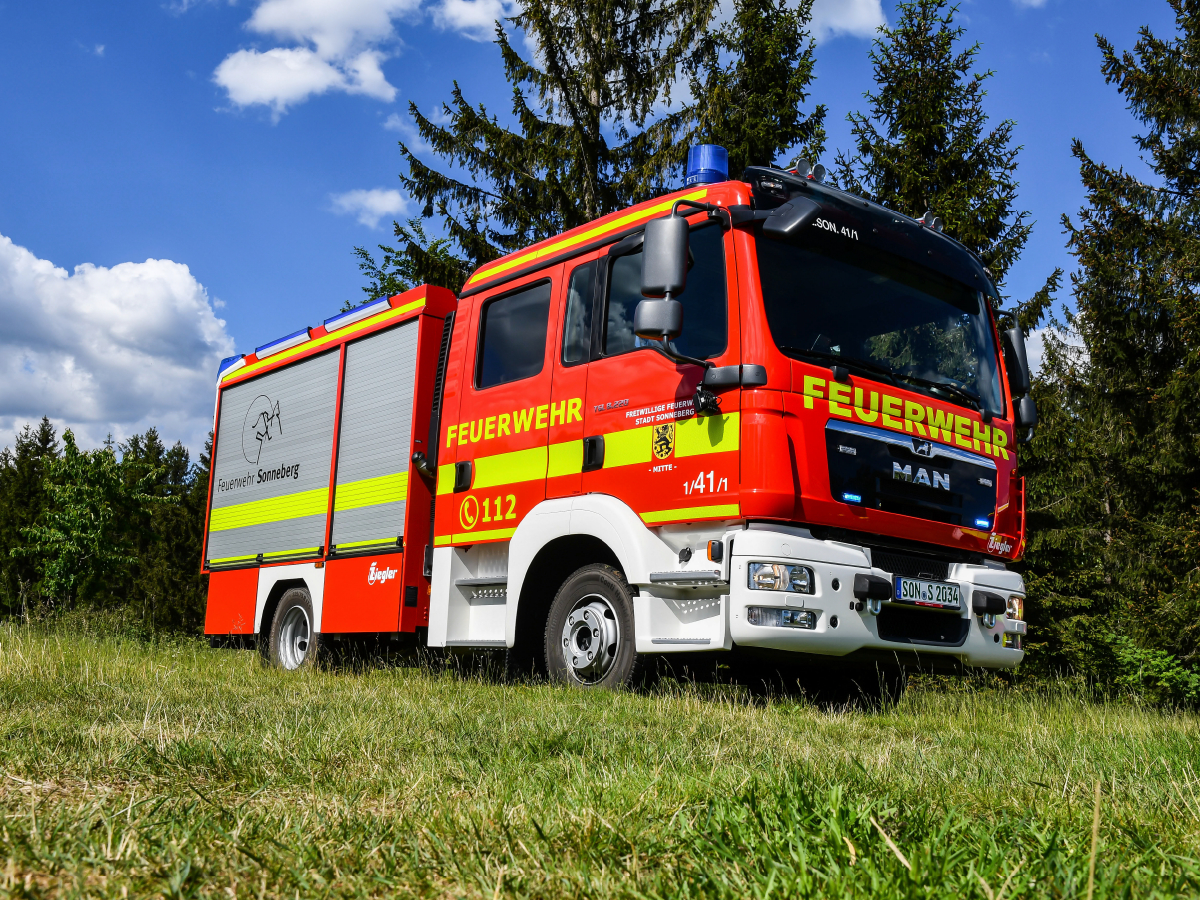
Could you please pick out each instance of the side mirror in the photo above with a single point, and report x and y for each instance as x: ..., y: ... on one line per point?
x: 1017, y: 361
x: 658, y: 320
x: 1025, y: 412
x: 664, y: 257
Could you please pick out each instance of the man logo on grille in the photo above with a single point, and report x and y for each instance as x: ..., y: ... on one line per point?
x: 663, y: 440
x: 922, y: 448
x: 262, y: 423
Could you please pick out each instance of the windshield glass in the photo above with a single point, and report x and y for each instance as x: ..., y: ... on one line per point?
x: 830, y: 299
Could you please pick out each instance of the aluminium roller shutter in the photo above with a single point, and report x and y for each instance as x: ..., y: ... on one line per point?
x: 271, y: 472
x: 372, y: 471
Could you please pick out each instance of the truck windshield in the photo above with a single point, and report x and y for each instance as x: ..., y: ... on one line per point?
x: 829, y: 299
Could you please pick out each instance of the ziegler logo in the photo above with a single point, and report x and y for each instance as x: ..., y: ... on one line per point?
x: 998, y: 544
x: 905, y: 473
x: 261, y: 423
x: 378, y: 576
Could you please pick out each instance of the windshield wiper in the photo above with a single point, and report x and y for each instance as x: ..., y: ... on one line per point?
x: 850, y: 362
x: 954, y: 390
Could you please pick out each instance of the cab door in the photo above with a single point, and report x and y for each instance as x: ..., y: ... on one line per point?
x: 643, y: 441
x: 569, y: 391
x: 500, y: 437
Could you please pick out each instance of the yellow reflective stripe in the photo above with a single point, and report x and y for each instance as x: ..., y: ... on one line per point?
x: 229, y: 559
x: 471, y: 537
x: 272, y: 509
x: 510, y: 468
x: 565, y: 459
x: 370, y: 492
x: 584, y: 237
x: 624, y: 448
x: 440, y: 540
x: 709, y: 434
x: 337, y: 336
x: 445, y: 479
x: 725, y: 511
x: 301, y: 551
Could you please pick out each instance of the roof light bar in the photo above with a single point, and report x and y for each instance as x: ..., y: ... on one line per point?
x: 341, y: 320
x: 284, y: 343
x: 230, y: 364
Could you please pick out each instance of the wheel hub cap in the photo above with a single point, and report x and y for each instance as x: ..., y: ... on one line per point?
x: 589, y: 639
x: 294, y: 636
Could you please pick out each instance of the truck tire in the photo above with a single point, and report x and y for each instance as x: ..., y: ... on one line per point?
x: 589, y: 631
x: 293, y: 643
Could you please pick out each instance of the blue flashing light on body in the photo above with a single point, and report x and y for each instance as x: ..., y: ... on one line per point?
x: 368, y: 309
x: 228, y: 363
x: 706, y: 164
x: 284, y: 343
x: 983, y: 523
x: 851, y: 498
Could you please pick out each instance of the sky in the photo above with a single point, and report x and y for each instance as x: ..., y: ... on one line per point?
x: 185, y: 179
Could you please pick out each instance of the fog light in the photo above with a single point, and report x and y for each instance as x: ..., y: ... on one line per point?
x: 781, y: 618
x: 778, y: 577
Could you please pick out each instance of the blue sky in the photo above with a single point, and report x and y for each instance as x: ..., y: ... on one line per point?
x: 246, y: 147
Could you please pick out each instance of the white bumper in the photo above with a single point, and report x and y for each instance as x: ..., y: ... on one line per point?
x: 841, y: 627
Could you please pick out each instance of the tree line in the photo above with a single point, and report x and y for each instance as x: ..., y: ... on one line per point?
x: 602, y: 113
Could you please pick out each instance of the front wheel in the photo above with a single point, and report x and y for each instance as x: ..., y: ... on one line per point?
x: 589, y: 632
x: 293, y: 642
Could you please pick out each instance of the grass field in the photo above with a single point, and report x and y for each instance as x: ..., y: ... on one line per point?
x: 129, y: 769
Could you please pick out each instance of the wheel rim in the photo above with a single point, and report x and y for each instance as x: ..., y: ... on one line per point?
x: 294, y: 638
x: 590, y: 638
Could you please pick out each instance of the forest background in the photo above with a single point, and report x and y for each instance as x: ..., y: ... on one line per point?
x: 1113, y: 470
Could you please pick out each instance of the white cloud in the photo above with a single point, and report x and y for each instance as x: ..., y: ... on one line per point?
x: 98, y: 50
x: 369, y: 206
x: 107, y: 350
x: 473, y: 18
x: 338, y: 47
x: 406, y: 129
x: 1030, y: 4
x: 858, y: 18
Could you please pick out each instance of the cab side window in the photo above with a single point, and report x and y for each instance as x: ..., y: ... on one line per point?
x: 512, y: 336
x: 705, y: 311
x: 577, y: 324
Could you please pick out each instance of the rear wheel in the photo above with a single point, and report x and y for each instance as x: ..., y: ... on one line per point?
x: 589, y: 631
x: 293, y: 643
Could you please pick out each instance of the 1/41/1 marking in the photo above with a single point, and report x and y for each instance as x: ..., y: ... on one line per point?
x: 706, y: 483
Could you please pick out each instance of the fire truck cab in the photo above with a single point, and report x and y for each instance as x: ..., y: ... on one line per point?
x: 761, y: 413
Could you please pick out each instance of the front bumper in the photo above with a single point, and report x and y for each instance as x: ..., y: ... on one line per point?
x: 841, y: 628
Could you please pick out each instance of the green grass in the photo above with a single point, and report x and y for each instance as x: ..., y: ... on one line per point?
x: 129, y: 769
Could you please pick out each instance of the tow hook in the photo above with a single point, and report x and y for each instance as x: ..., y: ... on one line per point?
x: 987, y: 606
x: 874, y: 590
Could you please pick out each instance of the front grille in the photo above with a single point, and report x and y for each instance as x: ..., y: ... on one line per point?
x: 919, y: 626
x: 911, y: 566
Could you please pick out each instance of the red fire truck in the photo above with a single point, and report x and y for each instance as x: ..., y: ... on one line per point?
x: 762, y: 413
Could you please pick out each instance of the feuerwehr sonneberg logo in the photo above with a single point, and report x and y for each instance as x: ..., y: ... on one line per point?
x: 378, y: 576
x: 262, y: 423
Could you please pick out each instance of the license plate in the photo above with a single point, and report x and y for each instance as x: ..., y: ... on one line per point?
x: 937, y: 594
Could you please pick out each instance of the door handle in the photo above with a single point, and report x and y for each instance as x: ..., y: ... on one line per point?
x: 463, y: 473
x: 593, y: 453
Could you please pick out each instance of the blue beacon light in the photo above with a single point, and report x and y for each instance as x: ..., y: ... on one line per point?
x: 706, y: 164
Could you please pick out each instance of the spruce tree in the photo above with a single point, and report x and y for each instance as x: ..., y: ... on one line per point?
x: 23, y: 500
x: 749, y: 81
x: 925, y: 144
x: 1115, y: 472
x: 600, y: 69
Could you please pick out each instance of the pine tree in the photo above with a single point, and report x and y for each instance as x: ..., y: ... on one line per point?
x: 23, y: 499
x: 924, y: 145
x: 1115, y: 472
x: 600, y: 69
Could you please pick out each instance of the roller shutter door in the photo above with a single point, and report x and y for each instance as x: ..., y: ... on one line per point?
x: 372, y: 472
x: 271, y: 472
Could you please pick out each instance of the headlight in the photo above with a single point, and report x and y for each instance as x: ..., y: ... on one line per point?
x: 1015, y: 607
x: 777, y: 577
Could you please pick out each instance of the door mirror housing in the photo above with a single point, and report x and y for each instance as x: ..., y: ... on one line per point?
x: 1025, y: 412
x: 664, y: 258
x: 1019, y: 380
x: 788, y: 221
x: 658, y: 320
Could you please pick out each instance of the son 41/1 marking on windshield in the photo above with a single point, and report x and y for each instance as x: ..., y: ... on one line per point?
x: 826, y: 225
